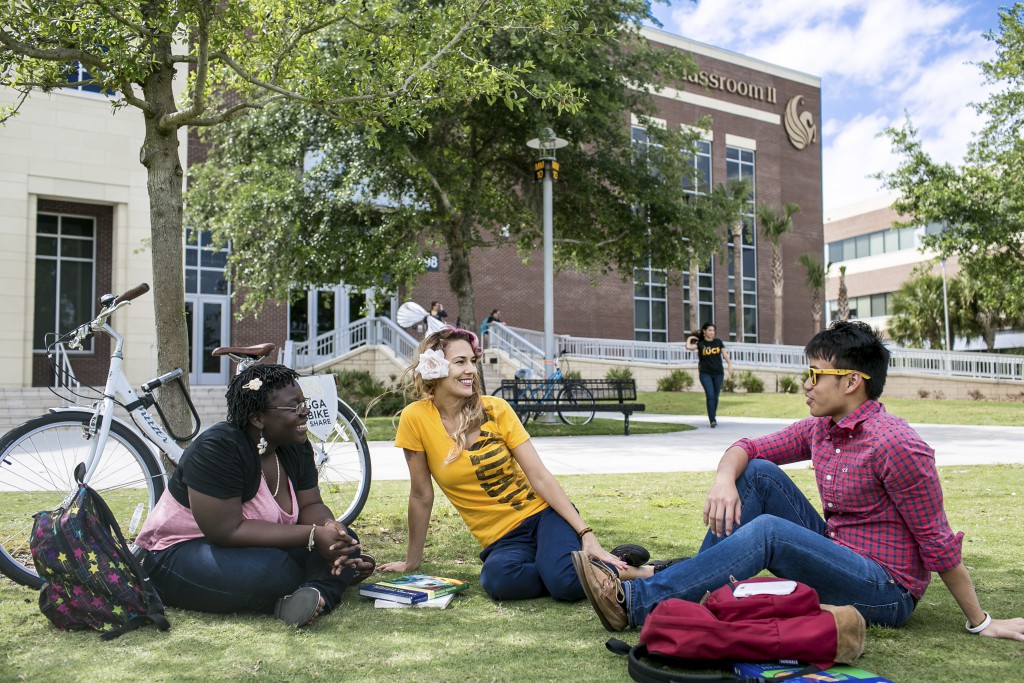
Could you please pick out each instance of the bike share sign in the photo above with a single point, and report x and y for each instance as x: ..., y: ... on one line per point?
x: 322, y: 395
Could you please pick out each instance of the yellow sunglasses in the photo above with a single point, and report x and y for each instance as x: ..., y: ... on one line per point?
x: 829, y: 371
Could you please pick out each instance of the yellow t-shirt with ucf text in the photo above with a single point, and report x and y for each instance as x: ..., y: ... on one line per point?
x: 485, y: 483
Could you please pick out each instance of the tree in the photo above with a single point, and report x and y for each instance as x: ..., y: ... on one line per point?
x: 774, y: 224
x: 463, y: 181
x: 980, y: 203
x: 843, y: 300
x: 815, y: 276
x: 738, y: 193
x: 917, y: 312
x: 365, y: 61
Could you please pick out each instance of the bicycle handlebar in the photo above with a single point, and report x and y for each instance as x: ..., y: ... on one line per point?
x: 133, y: 293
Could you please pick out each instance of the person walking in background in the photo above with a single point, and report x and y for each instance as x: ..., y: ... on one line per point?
x: 492, y: 318
x: 478, y: 452
x: 710, y: 353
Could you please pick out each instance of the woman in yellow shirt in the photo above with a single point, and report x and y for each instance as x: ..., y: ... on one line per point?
x: 476, y: 449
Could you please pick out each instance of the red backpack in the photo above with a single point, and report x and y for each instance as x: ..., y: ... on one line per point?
x: 760, y: 620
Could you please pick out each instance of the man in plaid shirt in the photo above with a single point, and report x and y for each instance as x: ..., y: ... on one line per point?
x: 884, y: 529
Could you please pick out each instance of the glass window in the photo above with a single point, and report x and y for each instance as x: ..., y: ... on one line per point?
x: 907, y: 238
x: 298, y: 317
x: 65, y: 275
x: 877, y: 243
x: 650, y: 305
x: 862, y: 244
x: 739, y: 164
x: 835, y: 251
x: 892, y: 240
x: 878, y: 306
x: 204, y: 264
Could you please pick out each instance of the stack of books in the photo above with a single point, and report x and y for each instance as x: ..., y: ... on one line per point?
x: 783, y: 670
x: 413, y: 590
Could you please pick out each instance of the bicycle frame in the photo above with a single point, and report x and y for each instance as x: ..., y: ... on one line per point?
x: 118, y: 387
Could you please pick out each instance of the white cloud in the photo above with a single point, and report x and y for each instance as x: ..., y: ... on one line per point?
x: 879, y: 61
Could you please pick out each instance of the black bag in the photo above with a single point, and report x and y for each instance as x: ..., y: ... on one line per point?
x: 91, y: 578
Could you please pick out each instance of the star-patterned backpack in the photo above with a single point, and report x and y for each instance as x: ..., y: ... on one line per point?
x: 91, y: 578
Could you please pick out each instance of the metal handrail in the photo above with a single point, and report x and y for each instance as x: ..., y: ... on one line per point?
x: 358, y: 333
x: 518, y: 347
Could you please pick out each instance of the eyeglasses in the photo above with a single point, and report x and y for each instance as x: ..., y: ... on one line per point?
x: 829, y: 371
x: 298, y: 408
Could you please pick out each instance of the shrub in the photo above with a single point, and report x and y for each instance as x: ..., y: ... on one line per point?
x: 619, y: 374
x: 750, y: 383
x: 923, y: 393
x: 677, y: 380
x: 789, y: 385
x: 572, y: 374
x: 976, y: 395
x: 729, y: 384
x: 359, y: 388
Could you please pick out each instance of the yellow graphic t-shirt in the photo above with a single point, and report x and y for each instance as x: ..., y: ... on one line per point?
x: 485, y: 483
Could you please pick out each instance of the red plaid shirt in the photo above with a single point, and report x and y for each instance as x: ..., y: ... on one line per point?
x: 879, y: 489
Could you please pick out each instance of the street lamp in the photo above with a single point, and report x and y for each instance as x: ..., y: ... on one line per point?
x: 546, y: 171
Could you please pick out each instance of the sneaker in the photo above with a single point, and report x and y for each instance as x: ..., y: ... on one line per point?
x: 633, y: 555
x: 603, y: 589
x: 299, y: 608
x: 713, y: 424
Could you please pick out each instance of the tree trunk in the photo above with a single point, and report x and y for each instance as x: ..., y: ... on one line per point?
x: 816, y: 310
x: 843, y: 301
x: 159, y: 155
x: 737, y: 274
x: 694, y: 297
x: 777, y: 282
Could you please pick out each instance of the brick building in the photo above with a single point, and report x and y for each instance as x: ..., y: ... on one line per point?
x: 74, y: 217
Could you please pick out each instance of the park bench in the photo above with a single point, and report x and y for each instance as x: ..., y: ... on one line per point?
x: 533, y: 396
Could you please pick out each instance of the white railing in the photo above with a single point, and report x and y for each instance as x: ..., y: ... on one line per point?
x: 362, y: 332
x: 522, y: 349
x: 908, y: 361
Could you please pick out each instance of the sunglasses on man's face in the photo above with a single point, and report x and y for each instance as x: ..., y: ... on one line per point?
x: 832, y: 371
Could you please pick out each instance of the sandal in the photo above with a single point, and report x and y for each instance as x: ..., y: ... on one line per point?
x: 633, y: 555
x: 363, y: 575
x: 299, y: 608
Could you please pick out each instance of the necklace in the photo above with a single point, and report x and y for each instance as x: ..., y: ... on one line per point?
x: 277, y: 481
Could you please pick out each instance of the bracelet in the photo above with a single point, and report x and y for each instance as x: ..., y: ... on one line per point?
x: 584, y: 531
x: 986, y: 622
x: 312, y: 542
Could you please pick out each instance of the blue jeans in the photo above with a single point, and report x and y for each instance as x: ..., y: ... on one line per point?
x: 712, y: 388
x: 782, y: 532
x: 533, y: 560
x: 201, y: 576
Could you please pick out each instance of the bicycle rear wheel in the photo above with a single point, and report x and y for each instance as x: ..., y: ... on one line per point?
x: 575, y: 405
x: 37, y: 464
x: 343, y: 466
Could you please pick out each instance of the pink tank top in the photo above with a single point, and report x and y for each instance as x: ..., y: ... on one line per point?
x: 170, y: 522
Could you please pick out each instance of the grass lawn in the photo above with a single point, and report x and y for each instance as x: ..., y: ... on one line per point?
x: 913, y: 410
x: 533, y: 640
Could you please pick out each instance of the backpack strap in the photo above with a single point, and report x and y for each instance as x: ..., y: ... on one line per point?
x: 155, y: 615
x: 644, y: 673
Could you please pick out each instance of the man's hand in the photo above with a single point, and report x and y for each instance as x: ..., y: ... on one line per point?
x: 1011, y: 629
x: 722, y: 508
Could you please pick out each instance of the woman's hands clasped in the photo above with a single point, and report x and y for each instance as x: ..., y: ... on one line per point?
x: 335, y: 545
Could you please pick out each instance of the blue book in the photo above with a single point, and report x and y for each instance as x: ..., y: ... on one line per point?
x: 408, y: 597
x: 839, y: 672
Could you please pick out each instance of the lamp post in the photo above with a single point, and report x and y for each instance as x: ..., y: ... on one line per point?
x: 546, y: 170
x: 945, y: 305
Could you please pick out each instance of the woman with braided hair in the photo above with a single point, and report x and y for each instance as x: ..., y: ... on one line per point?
x: 241, y: 525
x: 478, y: 452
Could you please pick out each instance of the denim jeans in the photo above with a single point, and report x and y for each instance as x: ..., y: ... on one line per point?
x: 712, y: 388
x: 533, y: 560
x: 201, y: 576
x: 782, y: 532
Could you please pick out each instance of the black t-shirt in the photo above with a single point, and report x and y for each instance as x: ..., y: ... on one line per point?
x: 223, y: 463
x: 709, y: 356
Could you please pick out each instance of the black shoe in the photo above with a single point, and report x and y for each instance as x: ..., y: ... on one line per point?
x: 633, y: 555
x: 713, y: 424
x: 662, y: 564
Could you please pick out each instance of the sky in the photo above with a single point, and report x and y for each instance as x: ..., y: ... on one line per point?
x: 879, y: 61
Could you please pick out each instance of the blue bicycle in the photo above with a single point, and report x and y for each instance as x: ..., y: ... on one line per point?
x: 573, y: 402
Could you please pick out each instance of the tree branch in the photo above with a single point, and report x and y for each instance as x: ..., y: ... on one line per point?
x: 15, y: 108
x: 234, y: 112
x: 198, y: 105
x: 62, y: 54
x: 138, y: 28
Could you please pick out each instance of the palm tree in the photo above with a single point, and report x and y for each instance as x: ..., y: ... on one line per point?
x: 737, y: 193
x: 815, y: 280
x: 775, y: 224
x: 843, y: 302
x: 917, y: 319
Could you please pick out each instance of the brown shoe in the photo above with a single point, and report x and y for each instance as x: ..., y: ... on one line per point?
x: 850, y: 632
x: 603, y: 589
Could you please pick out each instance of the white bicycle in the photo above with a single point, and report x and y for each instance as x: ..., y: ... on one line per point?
x: 38, y: 458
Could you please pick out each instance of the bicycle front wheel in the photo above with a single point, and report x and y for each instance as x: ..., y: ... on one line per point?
x: 575, y: 405
x: 37, y: 465
x: 343, y: 466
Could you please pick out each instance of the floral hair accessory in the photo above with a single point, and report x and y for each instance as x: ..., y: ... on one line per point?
x: 433, y: 364
x: 254, y: 384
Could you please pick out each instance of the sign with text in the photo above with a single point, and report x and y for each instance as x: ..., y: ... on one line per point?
x: 322, y: 395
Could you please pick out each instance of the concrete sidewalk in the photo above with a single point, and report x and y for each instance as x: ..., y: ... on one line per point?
x: 700, y: 449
